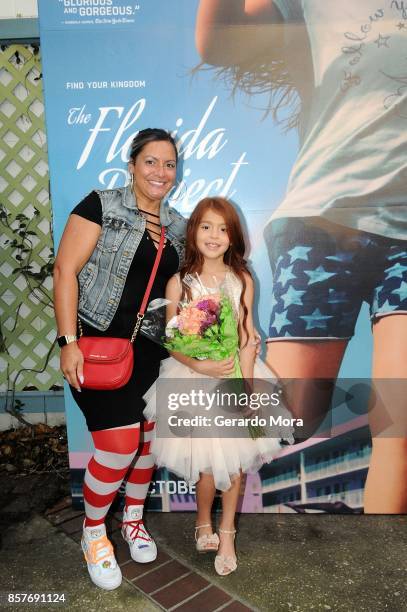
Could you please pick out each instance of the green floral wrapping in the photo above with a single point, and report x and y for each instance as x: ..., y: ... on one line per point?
x: 218, y: 341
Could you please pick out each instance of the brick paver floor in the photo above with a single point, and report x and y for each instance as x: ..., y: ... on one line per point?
x: 167, y: 582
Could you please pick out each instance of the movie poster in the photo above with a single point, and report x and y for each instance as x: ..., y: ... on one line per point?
x: 295, y: 111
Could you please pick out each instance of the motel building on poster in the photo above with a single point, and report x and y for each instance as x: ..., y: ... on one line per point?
x: 319, y: 470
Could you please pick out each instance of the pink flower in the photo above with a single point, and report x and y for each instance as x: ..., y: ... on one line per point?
x: 209, y: 320
x: 208, y: 305
x: 190, y: 320
x: 197, y: 316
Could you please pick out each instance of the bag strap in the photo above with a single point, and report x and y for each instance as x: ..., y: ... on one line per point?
x: 140, y: 314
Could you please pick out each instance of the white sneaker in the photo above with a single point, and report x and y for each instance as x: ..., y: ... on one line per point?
x: 102, y: 565
x: 142, y: 547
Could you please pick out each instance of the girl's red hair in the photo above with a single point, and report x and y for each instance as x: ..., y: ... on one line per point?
x: 234, y: 256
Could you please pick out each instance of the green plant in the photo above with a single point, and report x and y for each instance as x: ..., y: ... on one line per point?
x: 22, y: 249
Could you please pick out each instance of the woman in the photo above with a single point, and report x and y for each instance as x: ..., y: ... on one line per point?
x: 340, y: 236
x: 102, y: 269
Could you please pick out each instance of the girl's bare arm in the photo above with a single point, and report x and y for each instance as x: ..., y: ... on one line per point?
x: 231, y: 32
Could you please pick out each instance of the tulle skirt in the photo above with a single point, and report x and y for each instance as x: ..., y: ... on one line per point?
x: 224, y: 458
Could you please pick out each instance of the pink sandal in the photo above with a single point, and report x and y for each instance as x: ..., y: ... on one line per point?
x: 206, y: 543
x: 225, y: 565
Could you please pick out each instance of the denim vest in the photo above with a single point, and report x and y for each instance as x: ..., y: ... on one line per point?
x: 102, y: 279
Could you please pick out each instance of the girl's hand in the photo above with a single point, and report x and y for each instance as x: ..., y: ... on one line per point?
x: 215, y: 369
x: 72, y: 364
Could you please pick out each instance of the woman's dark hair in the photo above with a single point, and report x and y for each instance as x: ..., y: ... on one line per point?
x: 150, y: 135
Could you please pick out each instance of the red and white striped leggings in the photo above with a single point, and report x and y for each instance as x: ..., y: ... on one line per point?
x: 115, y: 451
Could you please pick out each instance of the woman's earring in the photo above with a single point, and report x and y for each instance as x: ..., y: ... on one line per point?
x: 131, y: 180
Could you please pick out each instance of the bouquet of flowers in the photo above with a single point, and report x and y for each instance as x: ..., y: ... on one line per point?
x: 206, y: 328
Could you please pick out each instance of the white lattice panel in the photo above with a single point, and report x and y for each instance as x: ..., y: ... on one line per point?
x: 27, y: 324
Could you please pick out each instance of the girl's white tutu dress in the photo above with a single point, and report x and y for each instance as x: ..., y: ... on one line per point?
x: 221, y: 457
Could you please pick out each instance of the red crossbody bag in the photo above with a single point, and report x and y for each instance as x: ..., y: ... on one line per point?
x: 108, y: 362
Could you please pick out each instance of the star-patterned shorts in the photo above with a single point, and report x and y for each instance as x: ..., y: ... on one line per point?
x: 322, y: 273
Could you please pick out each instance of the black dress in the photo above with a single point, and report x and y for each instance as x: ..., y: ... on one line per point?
x: 124, y: 406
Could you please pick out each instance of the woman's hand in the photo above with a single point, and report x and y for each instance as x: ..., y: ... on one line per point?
x: 72, y: 365
x: 215, y: 369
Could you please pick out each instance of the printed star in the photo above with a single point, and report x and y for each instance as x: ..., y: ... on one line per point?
x: 401, y: 291
x: 299, y: 252
x: 273, y: 301
x: 280, y: 321
x: 387, y: 307
x: 316, y: 320
x: 337, y: 297
x: 318, y: 275
x: 396, y: 271
x: 342, y: 257
x: 376, y: 297
x: 286, y: 275
x: 395, y: 256
x: 382, y: 41
x: 292, y: 296
x: 401, y: 25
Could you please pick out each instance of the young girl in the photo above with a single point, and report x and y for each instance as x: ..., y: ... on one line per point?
x: 215, y: 261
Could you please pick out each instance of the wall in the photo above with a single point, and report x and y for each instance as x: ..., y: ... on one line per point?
x: 12, y: 9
